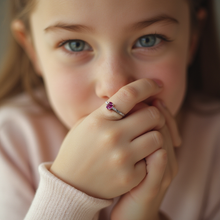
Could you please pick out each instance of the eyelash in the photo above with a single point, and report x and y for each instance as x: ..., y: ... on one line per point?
x: 160, y: 36
x: 156, y: 47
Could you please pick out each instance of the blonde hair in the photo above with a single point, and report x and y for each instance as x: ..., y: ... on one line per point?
x: 18, y: 74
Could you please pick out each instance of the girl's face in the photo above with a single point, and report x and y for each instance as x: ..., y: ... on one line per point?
x: 87, y: 50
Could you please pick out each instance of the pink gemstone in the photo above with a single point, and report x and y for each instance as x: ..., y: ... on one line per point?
x: 109, y: 105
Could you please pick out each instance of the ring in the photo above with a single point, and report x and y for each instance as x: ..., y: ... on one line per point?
x: 110, y: 106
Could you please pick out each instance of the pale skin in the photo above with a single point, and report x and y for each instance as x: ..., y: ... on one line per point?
x: 102, y: 148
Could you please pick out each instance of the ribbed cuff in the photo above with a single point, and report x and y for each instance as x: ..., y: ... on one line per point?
x: 56, y: 199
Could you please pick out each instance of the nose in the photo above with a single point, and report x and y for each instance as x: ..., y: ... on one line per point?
x: 113, y: 73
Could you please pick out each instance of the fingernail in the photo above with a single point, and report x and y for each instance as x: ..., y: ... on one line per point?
x: 158, y: 82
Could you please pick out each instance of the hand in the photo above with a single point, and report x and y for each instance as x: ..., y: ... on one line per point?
x: 103, y: 155
x: 143, y: 201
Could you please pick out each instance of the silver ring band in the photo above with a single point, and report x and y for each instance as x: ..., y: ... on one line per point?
x: 110, y: 106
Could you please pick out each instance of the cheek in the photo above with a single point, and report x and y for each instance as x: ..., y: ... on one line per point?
x: 64, y: 82
x: 66, y: 89
x: 174, y: 78
x: 171, y: 70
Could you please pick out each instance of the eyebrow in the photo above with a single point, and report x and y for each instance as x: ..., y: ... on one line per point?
x: 68, y: 27
x: 146, y: 23
x: 139, y: 25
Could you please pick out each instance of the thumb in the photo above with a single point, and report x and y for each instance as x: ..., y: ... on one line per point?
x: 156, y: 165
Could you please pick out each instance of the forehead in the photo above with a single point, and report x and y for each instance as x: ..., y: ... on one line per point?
x: 106, y: 13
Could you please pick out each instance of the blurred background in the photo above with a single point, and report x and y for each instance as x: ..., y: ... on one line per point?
x: 4, y: 24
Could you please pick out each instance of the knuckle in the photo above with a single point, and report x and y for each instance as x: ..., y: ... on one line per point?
x: 110, y: 137
x: 128, y: 93
x: 158, y: 138
x: 119, y: 158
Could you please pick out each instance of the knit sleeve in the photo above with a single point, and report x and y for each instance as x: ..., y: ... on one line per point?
x: 28, y: 138
x: 211, y: 209
x: 55, y: 199
x: 16, y: 184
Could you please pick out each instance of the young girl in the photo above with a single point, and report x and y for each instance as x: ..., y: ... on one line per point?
x: 92, y: 94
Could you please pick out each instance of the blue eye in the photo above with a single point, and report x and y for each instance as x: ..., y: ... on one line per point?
x: 148, y: 41
x: 76, y: 45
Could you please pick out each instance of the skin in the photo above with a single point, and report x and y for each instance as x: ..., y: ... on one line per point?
x: 111, y: 63
x: 114, y: 67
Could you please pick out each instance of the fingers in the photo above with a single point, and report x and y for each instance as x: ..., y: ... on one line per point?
x: 156, y: 165
x: 171, y: 123
x: 139, y: 172
x: 144, y: 120
x: 146, y: 145
x: 128, y: 96
x: 156, y: 168
x: 172, y: 165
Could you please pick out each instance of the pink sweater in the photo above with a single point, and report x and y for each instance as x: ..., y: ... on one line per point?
x: 30, y: 140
